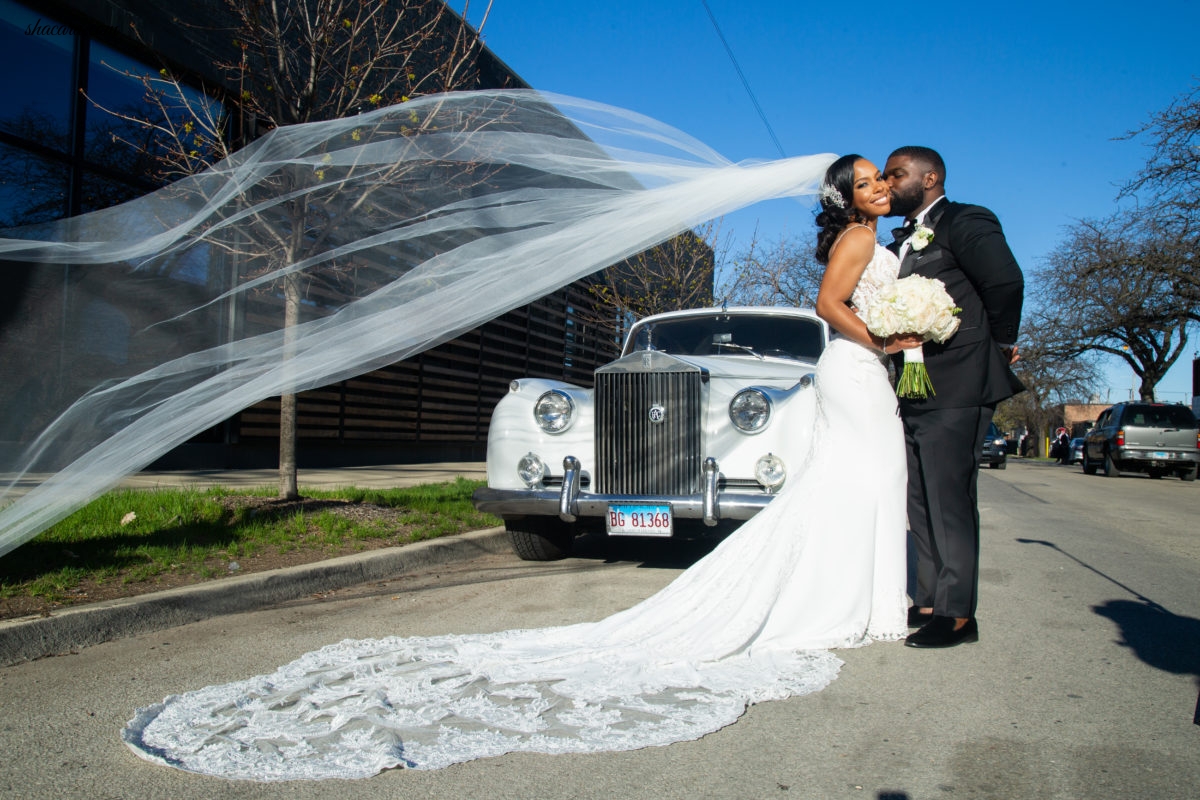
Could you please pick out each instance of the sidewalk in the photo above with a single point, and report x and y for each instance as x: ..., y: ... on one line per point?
x: 386, y: 476
x: 70, y: 629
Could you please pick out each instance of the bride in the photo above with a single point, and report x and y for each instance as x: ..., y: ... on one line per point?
x: 823, y: 566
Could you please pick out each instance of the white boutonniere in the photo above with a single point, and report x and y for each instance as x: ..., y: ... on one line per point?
x: 921, y: 237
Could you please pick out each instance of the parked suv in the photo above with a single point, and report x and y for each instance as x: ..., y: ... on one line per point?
x: 993, y: 451
x: 1154, y: 438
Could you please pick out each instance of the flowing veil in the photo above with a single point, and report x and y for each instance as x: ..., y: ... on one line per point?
x: 323, y: 251
x: 134, y: 328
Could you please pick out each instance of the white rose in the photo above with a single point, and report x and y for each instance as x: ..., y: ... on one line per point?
x: 928, y: 315
x: 945, y: 327
x: 921, y: 237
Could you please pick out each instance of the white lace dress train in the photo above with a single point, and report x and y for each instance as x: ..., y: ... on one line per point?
x: 823, y: 566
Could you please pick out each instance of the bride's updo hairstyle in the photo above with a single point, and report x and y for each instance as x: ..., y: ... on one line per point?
x: 837, y: 191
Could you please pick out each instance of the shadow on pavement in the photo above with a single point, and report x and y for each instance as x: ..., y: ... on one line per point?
x: 1158, y: 637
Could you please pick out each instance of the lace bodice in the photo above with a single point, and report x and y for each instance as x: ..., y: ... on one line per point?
x: 881, y: 270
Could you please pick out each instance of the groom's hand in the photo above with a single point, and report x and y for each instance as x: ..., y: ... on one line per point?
x: 1011, y: 354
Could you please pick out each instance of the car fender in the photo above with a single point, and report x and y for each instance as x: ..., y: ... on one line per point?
x: 514, y: 432
x: 787, y: 435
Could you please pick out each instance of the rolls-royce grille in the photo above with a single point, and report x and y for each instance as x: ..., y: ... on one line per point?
x: 648, y: 432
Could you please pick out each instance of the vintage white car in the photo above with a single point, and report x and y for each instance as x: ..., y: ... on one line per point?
x: 700, y: 420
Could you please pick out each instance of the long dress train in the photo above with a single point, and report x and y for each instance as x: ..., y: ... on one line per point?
x: 823, y: 566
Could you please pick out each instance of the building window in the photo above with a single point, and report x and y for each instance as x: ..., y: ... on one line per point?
x: 32, y: 188
x: 62, y: 155
x: 36, y: 56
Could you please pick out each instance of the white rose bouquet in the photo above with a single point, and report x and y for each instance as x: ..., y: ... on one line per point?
x: 918, y: 305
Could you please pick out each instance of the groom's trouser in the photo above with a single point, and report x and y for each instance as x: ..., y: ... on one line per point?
x: 943, y: 505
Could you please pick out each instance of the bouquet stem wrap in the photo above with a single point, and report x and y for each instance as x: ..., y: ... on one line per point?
x: 914, y: 378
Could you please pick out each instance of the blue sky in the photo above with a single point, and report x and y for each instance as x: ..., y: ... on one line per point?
x: 1023, y: 100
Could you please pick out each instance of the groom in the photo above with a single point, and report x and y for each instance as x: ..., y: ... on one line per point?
x: 964, y: 247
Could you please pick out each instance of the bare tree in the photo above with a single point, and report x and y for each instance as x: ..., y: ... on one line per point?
x: 1121, y: 286
x: 1124, y: 286
x: 674, y: 275
x: 785, y: 272
x: 1168, y: 187
x: 1051, y: 381
x: 305, y: 61
x: 1172, y: 173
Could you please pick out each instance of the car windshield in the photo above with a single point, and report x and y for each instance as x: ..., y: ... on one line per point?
x: 1158, y: 417
x: 728, y: 334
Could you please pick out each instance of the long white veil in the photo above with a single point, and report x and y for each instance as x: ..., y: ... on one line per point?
x: 134, y: 328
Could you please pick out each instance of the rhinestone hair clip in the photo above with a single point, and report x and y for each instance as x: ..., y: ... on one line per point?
x: 831, y: 195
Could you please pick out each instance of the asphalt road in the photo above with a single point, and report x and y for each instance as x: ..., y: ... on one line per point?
x: 1084, y: 683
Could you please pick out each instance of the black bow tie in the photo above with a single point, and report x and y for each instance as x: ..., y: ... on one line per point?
x: 904, y: 231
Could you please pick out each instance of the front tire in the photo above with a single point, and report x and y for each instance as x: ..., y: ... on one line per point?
x: 1088, y: 467
x: 539, y: 538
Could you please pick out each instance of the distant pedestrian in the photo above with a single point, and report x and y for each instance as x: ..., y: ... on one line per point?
x: 1063, y: 446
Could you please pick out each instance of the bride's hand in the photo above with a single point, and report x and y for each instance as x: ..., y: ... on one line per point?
x: 902, y: 341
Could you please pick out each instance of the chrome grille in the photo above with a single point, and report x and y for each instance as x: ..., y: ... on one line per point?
x: 636, y: 455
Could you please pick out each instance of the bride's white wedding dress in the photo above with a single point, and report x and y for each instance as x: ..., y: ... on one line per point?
x: 823, y: 566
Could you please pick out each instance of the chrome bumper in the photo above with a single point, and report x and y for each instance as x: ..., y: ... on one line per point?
x: 570, y: 504
x: 1168, y: 457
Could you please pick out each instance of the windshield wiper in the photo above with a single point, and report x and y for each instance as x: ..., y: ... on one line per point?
x: 741, y: 347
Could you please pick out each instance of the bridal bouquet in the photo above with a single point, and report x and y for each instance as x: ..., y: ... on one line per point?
x: 919, y: 305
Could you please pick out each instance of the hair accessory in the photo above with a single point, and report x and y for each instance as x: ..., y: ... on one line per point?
x: 831, y: 195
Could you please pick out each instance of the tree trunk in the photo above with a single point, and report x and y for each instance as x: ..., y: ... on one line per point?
x: 288, y: 484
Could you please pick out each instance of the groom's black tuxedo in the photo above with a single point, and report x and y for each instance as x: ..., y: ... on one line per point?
x: 970, y: 256
x: 970, y: 374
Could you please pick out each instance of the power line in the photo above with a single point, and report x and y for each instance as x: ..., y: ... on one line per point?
x: 742, y: 75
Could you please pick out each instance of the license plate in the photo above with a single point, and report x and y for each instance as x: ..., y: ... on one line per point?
x: 1160, y: 455
x: 639, y: 520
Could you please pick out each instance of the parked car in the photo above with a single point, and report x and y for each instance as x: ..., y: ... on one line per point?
x: 1155, y: 438
x: 1076, y: 454
x: 699, y: 422
x: 994, y: 449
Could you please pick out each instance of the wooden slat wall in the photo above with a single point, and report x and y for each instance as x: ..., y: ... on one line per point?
x: 446, y: 394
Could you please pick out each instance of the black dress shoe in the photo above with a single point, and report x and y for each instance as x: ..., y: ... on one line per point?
x: 939, y: 632
x: 917, y: 617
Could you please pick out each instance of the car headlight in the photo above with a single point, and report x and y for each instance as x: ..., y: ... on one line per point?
x: 531, y: 469
x: 750, y: 410
x: 999, y: 442
x: 770, y: 471
x: 554, y: 411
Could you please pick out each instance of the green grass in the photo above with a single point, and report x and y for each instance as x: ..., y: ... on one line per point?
x: 136, y: 536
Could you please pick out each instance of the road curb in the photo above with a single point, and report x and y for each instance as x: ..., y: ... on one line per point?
x: 70, y: 629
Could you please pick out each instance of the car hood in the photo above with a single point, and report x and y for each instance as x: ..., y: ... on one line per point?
x: 745, y: 368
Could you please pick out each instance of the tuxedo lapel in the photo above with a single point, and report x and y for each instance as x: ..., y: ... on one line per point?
x: 935, y: 213
x: 913, y: 257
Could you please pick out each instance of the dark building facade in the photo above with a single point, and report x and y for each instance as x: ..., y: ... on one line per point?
x: 63, y: 157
